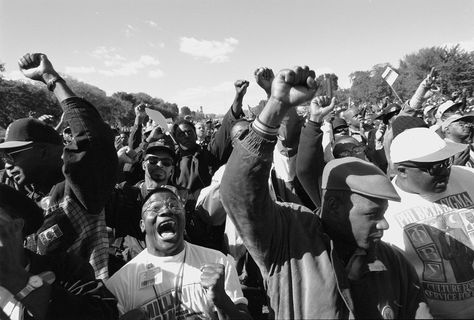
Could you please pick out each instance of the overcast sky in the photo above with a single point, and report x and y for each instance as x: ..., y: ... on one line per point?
x: 191, y: 51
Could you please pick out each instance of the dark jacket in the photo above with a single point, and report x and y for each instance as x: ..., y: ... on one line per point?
x: 74, y: 217
x: 75, y: 294
x: 221, y: 142
x: 310, y: 161
x: 303, y: 275
x: 194, y: 169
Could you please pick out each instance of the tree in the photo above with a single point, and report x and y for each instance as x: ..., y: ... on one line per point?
x: 185, y: 111
x: 455, y: 68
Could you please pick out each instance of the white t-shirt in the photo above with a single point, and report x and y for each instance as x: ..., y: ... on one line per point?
x: 436, y: 231
x: 150, y: 283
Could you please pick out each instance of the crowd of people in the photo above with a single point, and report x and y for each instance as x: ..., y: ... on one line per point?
x: 279, y: 215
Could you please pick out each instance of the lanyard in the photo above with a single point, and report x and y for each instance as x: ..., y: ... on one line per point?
x: 178, y: 286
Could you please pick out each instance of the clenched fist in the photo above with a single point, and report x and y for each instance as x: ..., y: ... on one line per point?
x: 212, y: 279
x: 37, y: 66
x: 292, y: 87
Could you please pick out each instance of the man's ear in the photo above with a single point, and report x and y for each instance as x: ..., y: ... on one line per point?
x: 143, y: 165
x: 142, y: 225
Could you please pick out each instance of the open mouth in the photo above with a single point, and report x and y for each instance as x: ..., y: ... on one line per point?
x: 167, y: 229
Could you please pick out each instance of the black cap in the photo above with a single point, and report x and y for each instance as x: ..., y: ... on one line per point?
x: 25, y: 131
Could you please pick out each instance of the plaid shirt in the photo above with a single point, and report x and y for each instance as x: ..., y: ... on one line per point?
x: 74, y: 209
x: 91, y: 241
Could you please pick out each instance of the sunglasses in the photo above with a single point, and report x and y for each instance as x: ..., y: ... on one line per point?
x: 341, y: 130
x: 352, y: 152
x: 154, y: 160
x: 434, y: 169
x: 8, y: 157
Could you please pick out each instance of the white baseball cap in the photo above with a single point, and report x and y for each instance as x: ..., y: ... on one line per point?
x: 422, y: 145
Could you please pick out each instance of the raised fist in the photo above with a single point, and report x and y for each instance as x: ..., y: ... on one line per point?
x: 36, y: 66
x: 140, y: 113
x: 292, y: 87
x: 241, y: 87
x: 320, y: 107
x: 264, y: 78
x: 212, y: 279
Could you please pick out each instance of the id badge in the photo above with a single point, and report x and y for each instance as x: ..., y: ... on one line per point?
x: 150, y: 277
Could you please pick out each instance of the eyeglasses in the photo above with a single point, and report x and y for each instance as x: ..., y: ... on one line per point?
x: 154, y: 160
x: 8, y: 157
x: 352, y: 152
x: 434, y: 169
x: 341, y: 130
x: 161, y: 205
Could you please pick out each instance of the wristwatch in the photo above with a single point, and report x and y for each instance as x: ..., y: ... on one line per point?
x: 51, y: 84
x: 35, y: 282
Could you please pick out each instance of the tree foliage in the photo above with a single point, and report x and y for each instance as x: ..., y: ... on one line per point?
x: 455, y: 67
x: 185, y: 111
x: 19, y: 99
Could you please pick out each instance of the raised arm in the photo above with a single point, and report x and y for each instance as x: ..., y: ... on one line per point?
x: 135, y: 137
x: 221, y: 144
x: 244, y: 188
x: 310, y: 158
x: 423, y: 89
x: 90, y: 160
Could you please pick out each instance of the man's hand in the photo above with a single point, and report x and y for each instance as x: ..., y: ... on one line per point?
x: 155, y: 134
x: 36, y: 66
x: 292, y: 87
x: 264, y: 78
x: 140, y: 114
x: 241, y: 87
x: 127, y: 155
x: 320, y: 107
x: 379, y: 134
x: 212, y: 279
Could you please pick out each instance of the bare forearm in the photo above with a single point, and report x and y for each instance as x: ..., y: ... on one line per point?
x: 417, y: 98
x: 61, y: 89
x: 273, y: 113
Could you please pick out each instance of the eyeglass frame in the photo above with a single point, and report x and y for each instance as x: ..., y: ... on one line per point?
x: 444, y: 164
x: 164, y: 204
x: 161, y: 188
x: 159, y: 160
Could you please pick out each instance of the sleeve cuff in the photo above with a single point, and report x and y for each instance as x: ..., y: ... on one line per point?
x: 258, y: 144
